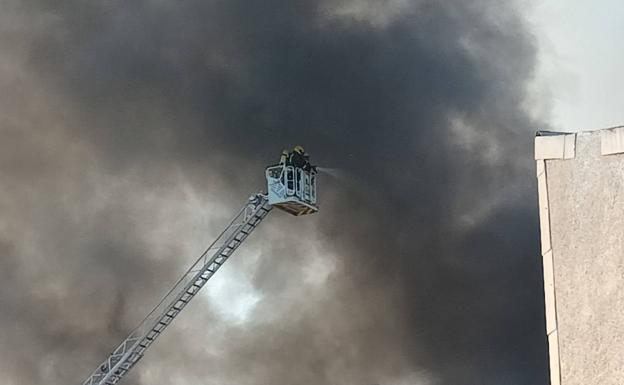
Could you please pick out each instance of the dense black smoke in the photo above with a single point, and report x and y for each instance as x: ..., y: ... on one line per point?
x: 131, y: 130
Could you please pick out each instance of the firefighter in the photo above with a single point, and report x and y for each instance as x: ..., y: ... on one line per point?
x: 297, y: 157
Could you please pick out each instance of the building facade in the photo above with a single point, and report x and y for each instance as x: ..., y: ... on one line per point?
x: 581, y: 205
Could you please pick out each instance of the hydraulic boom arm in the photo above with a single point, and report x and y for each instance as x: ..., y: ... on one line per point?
x: 126, y: 355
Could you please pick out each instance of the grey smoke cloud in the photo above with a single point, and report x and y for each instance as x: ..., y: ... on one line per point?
x: 131, y: 131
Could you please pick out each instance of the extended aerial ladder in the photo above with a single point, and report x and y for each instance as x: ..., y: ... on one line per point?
x: 290, y: 188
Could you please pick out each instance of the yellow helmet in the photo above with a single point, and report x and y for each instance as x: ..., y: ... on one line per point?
x: 299, y: 149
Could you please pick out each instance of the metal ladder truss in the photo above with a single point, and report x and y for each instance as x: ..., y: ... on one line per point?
x: 126, y: 355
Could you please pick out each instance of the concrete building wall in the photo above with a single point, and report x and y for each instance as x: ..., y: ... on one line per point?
x: 581, y: 202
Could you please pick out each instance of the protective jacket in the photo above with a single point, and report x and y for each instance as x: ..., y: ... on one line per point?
x: 296, y: 159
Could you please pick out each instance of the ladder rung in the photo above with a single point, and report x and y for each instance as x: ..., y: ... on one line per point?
x: 156, y: 333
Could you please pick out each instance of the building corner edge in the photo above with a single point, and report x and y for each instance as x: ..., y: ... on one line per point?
x: 550, y: 306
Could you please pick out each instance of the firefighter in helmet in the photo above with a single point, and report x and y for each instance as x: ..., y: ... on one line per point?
x: 297, y: 157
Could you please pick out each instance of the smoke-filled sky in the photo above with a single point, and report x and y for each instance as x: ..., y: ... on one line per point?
x: 132, y: 131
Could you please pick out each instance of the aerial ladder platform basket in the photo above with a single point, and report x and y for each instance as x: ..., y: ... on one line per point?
x: 292, y: 189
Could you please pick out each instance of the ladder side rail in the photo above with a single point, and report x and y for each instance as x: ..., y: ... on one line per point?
x: 201, y: 278
x: 131, y: 351
x: 244, y: 223
x: 239, y: 221
x: 159, y: 325
x: 174, y: 309
x: 126, y: 345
